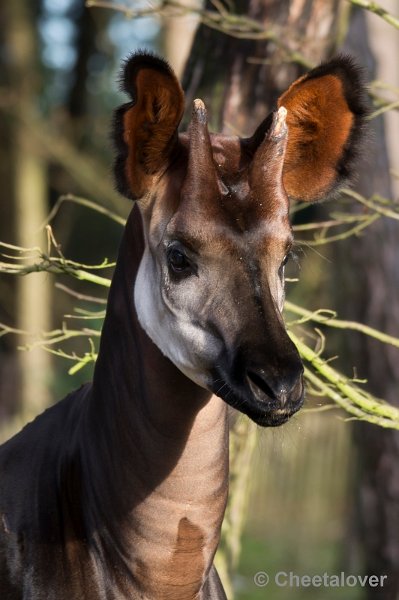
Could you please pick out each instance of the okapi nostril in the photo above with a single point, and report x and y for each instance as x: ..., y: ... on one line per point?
x: 280, y: 390
x: 256, y: 381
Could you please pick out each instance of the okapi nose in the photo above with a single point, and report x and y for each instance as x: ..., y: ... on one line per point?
x: 280, y: 388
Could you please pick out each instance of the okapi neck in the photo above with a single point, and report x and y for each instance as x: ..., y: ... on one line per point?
x: 131, y: 373
x: 158, y: 457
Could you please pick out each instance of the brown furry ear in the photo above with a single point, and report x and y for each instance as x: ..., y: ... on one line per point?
x: 145, y: 129
x: 326, y: 114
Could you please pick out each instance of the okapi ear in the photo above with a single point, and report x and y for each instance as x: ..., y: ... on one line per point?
x: 145, y: 129
x: 326, y: 115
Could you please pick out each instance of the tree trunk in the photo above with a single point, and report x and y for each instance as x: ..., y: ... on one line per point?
x: 177, y: 38
x: 9, y: 388
x: 30, y: 197
x: 240, y: 79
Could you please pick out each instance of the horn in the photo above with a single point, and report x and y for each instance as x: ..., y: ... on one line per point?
x: 267, y: 165
x: 201, y: 175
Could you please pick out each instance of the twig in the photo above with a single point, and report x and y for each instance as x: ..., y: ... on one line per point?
x: 377, y: 9
x: 291, y: 56
x: 53, y: 264
x: 383, y: 109
x: 342, y: 401
x: 83, y: 202
x: 345, y: 219
x: 327, y: 317
x: 386, y: 212
x: 344, y: 392
x: 232, y: 24
x: 80, y: 361
x: 320, y: 241
x: 80, y: 296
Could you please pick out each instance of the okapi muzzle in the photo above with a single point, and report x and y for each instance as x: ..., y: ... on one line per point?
x: 215, y: 212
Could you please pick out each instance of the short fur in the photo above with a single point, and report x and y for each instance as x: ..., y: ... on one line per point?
x: 145, y: 129
x: 325, y: 129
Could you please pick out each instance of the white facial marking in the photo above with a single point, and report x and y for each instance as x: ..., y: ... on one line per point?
x: 186, y: 344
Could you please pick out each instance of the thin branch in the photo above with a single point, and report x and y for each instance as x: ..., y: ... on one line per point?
x: 337, y: 222
x: 327, y: 317
x: 344, y: 392
x: 48, y: 338
x: 80, y: 296
x: 50, y: 265
x: 387, y: 107
x: 43, y: 262
x: 83, y: 202
x: 373, y: 204
x: 384, y: 86
x: 291, y: 56
x: 238, y: 26
x: 343, y: 402
x: 80, y: 361
x: 321, y: 240
x: 7, y: 329
x: 229, y: 23
x: 377, y: 9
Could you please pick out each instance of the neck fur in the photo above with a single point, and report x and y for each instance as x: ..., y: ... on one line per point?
x: 158, y: 457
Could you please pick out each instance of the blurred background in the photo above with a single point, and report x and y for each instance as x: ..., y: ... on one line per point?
x: 321, y: 494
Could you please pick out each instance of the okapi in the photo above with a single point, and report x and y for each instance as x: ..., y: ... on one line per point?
x: 119, y: 490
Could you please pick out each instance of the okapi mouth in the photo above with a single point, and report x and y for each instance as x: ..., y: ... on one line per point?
x: 264, y: 409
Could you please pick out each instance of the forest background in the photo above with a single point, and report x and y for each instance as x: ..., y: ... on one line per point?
x: 322, y: 493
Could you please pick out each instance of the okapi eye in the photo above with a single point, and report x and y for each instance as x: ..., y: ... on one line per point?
x: 177, y: 260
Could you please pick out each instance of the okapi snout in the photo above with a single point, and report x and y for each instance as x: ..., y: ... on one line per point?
x: 264, y: 382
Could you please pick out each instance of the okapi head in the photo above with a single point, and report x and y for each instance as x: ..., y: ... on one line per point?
x: 215, y: 210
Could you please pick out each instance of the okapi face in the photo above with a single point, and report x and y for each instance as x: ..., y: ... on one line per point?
x: 210, y: 287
